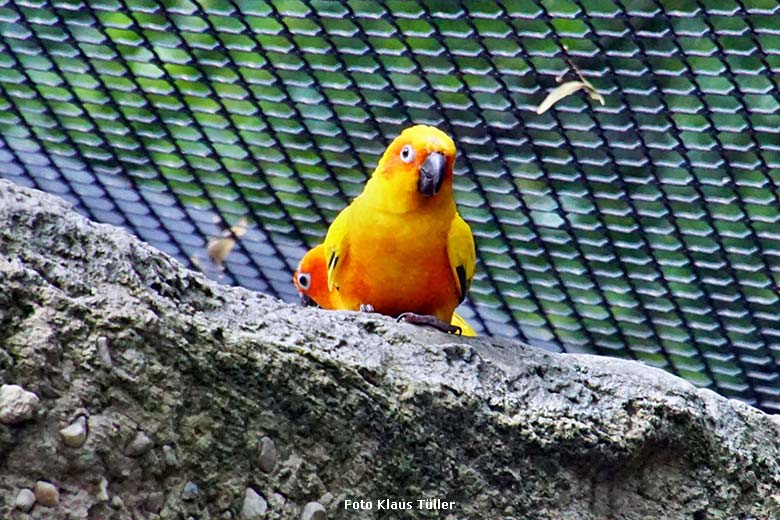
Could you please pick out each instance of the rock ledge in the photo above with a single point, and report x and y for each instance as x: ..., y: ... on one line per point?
x: 197, y: 399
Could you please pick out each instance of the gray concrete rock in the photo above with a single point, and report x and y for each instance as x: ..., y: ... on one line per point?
x: 374, y: 413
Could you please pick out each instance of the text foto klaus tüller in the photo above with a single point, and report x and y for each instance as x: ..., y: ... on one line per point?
x: 390, y: 504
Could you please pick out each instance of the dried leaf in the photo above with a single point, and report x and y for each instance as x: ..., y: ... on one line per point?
x: 239, y: 229
x: 567, y: 89
x: 219, y: 248
x: 196, y: 262
x: 595, y: 95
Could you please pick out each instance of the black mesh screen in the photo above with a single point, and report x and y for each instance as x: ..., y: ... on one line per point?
x: 645, y: 228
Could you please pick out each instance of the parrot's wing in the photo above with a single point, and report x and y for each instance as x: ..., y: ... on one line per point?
x: 336, y: 246
x: 463, y: 257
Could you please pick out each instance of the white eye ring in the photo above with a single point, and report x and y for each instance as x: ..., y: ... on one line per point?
x: 407, y: 153
x: 304, y: 280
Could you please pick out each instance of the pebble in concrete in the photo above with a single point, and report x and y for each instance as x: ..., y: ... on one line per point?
x: 75, y: 434
x: 139, y: 445
x: 268, y: 456
x: 155, y: 501
x: 190, y: 491
x: 276, y: 500
x: 313, y: 511
x: 104, y: 355
x: 102, y: 494
x: 24, y: 500
x: 169, y: 456
x: 46, y: 494
x: 16, y: 404
x: 254, y: 506
x: 326, y: 499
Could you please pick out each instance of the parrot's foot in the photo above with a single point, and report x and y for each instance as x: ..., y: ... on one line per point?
x: 427, y: 319
x: 366, y: 307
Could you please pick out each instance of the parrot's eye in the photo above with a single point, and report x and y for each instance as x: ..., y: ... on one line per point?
x: 304, y: 280
x: 407, y: 153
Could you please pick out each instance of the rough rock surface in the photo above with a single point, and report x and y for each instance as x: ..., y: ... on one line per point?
x: 180, y: 380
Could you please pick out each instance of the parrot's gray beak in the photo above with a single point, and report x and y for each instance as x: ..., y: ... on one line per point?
x: 307, y: 302
x: 432, y: 174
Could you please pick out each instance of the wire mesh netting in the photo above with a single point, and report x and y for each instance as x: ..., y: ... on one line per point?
x: 645, y: 228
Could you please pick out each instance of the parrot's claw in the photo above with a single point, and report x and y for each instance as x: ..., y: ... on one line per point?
x: 366, y: 307
x: 427, y: 319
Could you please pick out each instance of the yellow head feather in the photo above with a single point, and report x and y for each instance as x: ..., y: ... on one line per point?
x: 394, y: 183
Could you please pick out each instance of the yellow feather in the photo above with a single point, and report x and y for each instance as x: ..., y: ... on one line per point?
x: 465, y: 328
x: 336, y: 246
x: 462, y: 255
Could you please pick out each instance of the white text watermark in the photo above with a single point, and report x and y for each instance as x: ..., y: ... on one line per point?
x: 392, y: 504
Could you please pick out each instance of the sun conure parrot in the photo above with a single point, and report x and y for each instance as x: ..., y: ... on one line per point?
x: 401, y: 248
x: 311, y: 281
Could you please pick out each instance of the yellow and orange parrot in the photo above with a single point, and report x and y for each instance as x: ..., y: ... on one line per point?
x: 311, y: 281
x: 400, y: 247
